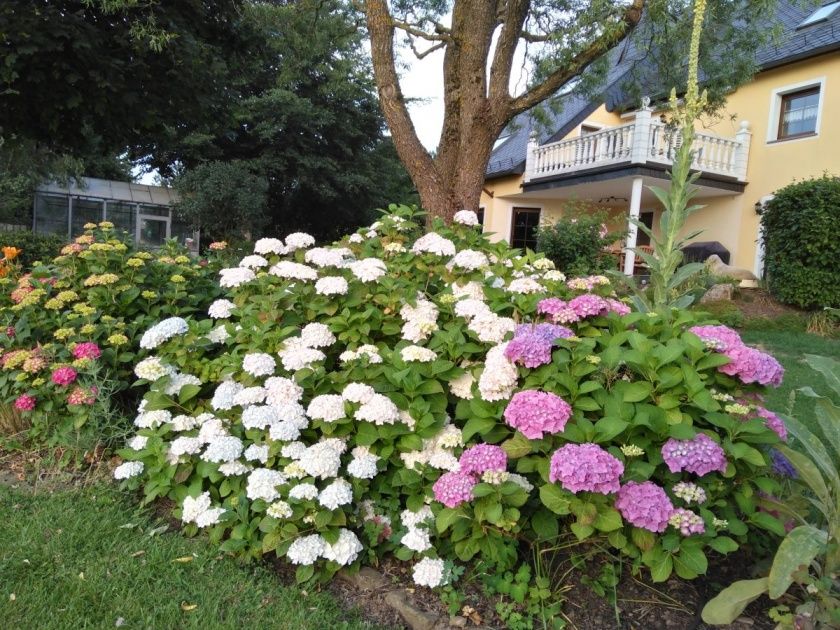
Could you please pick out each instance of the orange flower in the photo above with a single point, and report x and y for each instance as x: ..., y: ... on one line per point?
x: 4, y: 271
x: 10, y: 253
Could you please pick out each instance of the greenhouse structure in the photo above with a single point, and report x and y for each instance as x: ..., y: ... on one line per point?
x: 143, y: 211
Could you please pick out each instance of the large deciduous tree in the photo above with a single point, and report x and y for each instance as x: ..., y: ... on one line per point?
x: 564, y: 40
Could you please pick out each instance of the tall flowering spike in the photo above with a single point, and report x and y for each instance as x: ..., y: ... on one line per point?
x: 644, y: 505
x: 534, y: 413
x: 699, y: 455
x: 585, y: 468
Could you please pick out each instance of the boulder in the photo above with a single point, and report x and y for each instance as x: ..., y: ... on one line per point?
x: 717, y: 293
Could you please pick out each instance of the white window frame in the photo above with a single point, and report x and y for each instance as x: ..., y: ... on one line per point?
x: 776, y: 109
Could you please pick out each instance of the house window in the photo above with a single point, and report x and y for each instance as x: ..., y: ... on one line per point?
x: 586, y: 130
x: 798, y: 113
x: 820, y: 15
x: 480, y: 215
x: 647, y: 220
x: 523, y: 230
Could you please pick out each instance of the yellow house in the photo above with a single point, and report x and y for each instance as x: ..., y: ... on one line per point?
x: 782, y: 126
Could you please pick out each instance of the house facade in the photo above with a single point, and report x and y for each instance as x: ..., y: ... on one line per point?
x: 781, y: 127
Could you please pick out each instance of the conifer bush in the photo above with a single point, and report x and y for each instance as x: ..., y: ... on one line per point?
x: 442, y: 399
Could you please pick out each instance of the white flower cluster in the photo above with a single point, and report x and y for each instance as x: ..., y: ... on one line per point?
x: 127, y: 470
x: 417, y: 354
x: 235, y: 277
x: 472, y: 290
x: 461, y: 386
x: 224, y: 395
x: 197, y: 510
x: 420, y: 320
x: 279, y: 510
x: 417, y: 536
x: 258, y: 364
x: 369, y: 351
x: 257, y: 453
x: 254, y: 261
x: 525, y: 286
x: 345, y: 550
x: 437, y: 452
x: 163, y: 331
x: 336, y: 494
x: 554, y: 276
x: 357, y: 393
x: 177, y: 381
x: 323, y: 459
x: 328, y: 257
x: 270, y: 246
x: 326, y: 407
x: 221, y: 309
x: 296, y: 355
x: 498, y: 379
x: 468, y: 259
x: 152, y: 419
x: 490, y: 328
x: 152, y: 368
x: 225, y: 448
x: 289, y: 270
x: 262, y: 484
x: 379, y: 410
x: 363, y: 464
x: 433, y: 243
x: 299, y: 240
x: 466, y: 217
x: 429, y: 572
x: 331, y: 285
x: 368, y: 269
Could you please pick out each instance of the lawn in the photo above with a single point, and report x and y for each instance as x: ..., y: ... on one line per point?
x: 86, y: 558
x: 790, y: 348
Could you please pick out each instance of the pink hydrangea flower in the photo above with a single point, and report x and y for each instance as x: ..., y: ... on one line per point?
x: 644, y: 505
x: 559, y: 310
x: 687, y: 522
x: 25, y: 402
x: 773, y: 422
x: 588, y: 305
x: 481, y: 458
x: 699, y: 455
x: 587, y: 468
x: 454, y: 488
x: 82, y: 396
x: 64, y: 376
x: 748, y: 364
x: 618, y: 307
x: 719, y: 338
x: 86, y: 350
x: 534, y: 413
x: 10, y: 332
x: 529, y: 350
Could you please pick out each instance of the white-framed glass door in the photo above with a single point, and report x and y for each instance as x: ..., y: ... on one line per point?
x: 152, y: 230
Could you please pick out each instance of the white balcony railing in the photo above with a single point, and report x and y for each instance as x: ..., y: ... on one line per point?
x: 640, y: 142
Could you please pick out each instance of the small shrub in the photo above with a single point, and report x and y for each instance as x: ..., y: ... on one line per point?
x: 70, y: 329
x: 33, y: 247
x: 578, y: 242
x: 825, y: 323
x: 724, y: 311
x: 801, y: 248
x: 444, y: 400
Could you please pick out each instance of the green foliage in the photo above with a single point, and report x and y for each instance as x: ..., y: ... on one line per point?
x: 724, y: 311
x: 100, y: 291
x: 223, y: 199
x: 810, y: 553
x: 577, y: 242
x: 34, y: 247
x: 798, y: 227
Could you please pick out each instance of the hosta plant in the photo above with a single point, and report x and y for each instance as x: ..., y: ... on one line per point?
x: 442, y: 399
x: 70, y: 328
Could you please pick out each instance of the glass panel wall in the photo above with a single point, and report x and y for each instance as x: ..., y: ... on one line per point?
x: 152, y: 231
x: 51, y: 214
x: 85, y: 211
x: 123, y: 216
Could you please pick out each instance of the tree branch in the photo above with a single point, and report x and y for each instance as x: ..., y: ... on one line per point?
x: 512, y: 17
x: 427, y: 52
x: 596, y: 49
x: 441, y: 33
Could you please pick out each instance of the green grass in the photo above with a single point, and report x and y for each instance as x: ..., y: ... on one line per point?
x: 790, y: 348
x: 86, y: 558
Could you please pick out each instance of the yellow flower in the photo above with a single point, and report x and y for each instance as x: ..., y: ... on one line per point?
x: 118, y: 340
x: 84, y: 309
x: 106, y: 225
x: 143, y: 255
x: 177, y: 279
x: 167, y: 260
x: 85, y: 239
x: 38, y: 382
x: 88, y: 329
x: 120, y: 247
x: 101, y: 247
x: 53, y: 304
x: 67, y: 296
x: 593, y: 359
x: 89, y: 226
x: 101, y: 279
x: 182, y: 260
x: 134, y: 262
x: 82, y: 363
x: 86, y: 254
x: 149, y: 295
x: 631, y: 450
x: 107, y: 318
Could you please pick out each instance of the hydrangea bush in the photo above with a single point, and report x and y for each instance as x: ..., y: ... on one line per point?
x: 443, y: 399
x: 70, y: 328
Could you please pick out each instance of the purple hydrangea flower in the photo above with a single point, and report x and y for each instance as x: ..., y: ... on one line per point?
x: 533, y: 413
x: 644, y: 505
x: 748, y: 364
x: 549, y: 332
x: 585, y: 467
x: 782, y: 465
x: 618, y: 307
x: 773, y: 422
x: 687, y: 522
x: 699, y: 455
x: 560, y: 311
x: 589, y: 304
x: 454, y: 488
x: 529, y: 350
x: 481, y: 458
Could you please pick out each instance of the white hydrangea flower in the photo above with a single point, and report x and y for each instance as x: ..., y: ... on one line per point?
x: 299, y: 240
x: 338, y: 493
x: 152, y: 368
x: 321, y: 460
x: 258, y: 364
x: 138, y: 442
x: 363, y: 464
x: 368, y: 269
x: 520, y: 481
x: 328, y: 257
x: 152, y: 419
x: 224, y: 448
x: 554, y: 276
x: 450, y: 436
x: 279, y: 509
x: 262, y: 484
x: 417, y: 353
x: 177, y: 381
x: 303, y: 492
x: 163, y: 331
x: 525, y: 286
x: 221, y: 309
x: 257, y: 453
x: 466, y: 217
x: 416, y: 540
x: 253, y: 261
x: 185, y: 445
x: 331, y: 285
x: 468, y: 259
x: 394, y: 248
x: 126, y: 470
x: 412, y: 519
x: 356, y: 239
x: 443, y: 460
x: 433, y: 243
x: 224, y: 395
x: 345, y: 550
x: 293, y: 450
x: 293, y: 271
x: 295, y: 357
x: 219, y: 334
x: 490, y: 328
x: 315, y: 335
x: 379, y: 410
x: 285, y: 431
x: 234, y: 469
x: 423, y: 310
x: 269, y: 246
x: 461, y: 386
x: 259, y: 416
x: 211, y: 429
x: 357, y: 393
x: 543, y: 264
x: 417, y: 330
x: 306, y: 550
x: 249, y: 396
x: 193, y: 507
x: 235, y: 276
x: 469, y: 308
x: 293, y: 470
x: 499, y: 377
x: 471, y: 290
x: 371, y: 352
x: 327, y: 407
x: 282, y: 390
x: 429, y: 572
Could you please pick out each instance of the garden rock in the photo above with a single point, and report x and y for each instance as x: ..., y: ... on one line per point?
x: 717, y: 293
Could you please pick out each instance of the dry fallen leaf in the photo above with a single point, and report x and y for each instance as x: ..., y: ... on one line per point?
x: 12, y: 597
x: 82, y: 575
x: 183, y: 559
x: 188, y: 607
x: 137, y: 554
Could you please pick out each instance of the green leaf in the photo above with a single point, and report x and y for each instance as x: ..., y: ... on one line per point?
x: 723, y: 544
x: 800, y: 547
x: 768, y: 522
x: 554, y: 499
x: 304, y: 573
x: 728, y: 605
x: 608, y: 427
x: 517, y: 446
x: 545, y: 524
x: 643, y: 538
x: 690, y: 562
x: 636, y: 392
x: 661, y: 568
x: 478, y: 426
x: 582, y: 531
x: 188, y: 392
x: 608, y: 520
x: 445, y: 518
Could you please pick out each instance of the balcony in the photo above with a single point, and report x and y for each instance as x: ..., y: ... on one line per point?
x: 642, y: 142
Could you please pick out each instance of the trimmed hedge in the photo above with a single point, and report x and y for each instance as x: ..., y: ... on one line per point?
x: 34, y: 247
x: 799, y: 227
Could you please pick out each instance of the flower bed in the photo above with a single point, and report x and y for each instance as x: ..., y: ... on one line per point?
x: 70, y: 328
x: 442, y: 400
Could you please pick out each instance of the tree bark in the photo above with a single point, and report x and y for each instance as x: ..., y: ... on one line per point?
x: 477, y: 107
